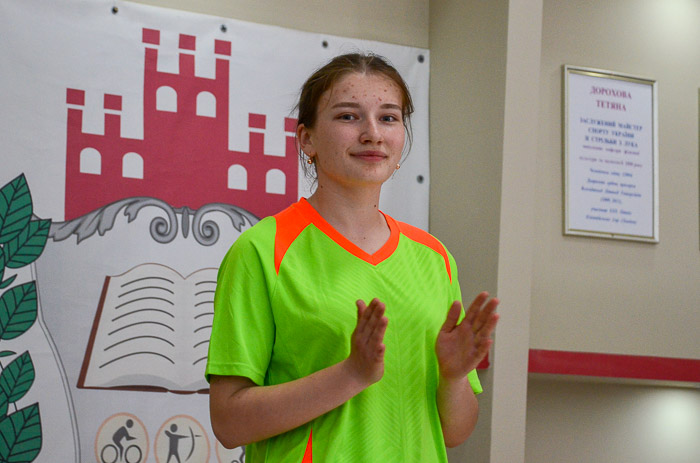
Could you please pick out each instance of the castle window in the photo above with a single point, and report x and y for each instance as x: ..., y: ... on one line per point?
x: 166, y: 99
x: 275, y: 182
x: 206, y: 104
x: 132, y: 166
x: 90, y: 161
x: 237, y: 177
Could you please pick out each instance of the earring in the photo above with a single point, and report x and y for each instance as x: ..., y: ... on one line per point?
x: 398, y: 166
x: 310, y: 161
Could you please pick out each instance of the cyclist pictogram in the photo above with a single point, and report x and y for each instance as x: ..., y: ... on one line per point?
x: 122, y: 438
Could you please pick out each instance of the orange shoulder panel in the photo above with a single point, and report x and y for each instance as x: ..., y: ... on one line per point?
x: 425, y: 238
x: 290, y: 223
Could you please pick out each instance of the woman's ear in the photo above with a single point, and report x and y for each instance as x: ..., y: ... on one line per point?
x: 305, y: 143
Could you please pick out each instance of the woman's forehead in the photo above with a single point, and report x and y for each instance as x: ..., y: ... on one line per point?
x: 364, y: 86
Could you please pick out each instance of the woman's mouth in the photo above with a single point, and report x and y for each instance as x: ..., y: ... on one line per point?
x: 370, y: 155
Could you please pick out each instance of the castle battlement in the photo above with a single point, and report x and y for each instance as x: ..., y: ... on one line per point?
x: 183, y: 157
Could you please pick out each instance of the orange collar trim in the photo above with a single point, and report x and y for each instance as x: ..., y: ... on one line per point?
x: 292, y: 221
x: 382, y: 253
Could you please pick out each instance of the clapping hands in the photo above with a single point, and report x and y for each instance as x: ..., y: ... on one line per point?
x: 460, y: 347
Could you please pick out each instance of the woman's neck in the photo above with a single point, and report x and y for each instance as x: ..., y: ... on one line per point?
x: 355, y: 215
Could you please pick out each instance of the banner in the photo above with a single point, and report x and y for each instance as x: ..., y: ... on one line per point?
x: 137, y: 144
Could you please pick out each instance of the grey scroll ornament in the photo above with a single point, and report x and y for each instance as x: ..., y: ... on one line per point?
x: 163, y: 228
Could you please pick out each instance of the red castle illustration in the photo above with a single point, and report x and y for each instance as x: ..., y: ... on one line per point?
x: 183, y: 158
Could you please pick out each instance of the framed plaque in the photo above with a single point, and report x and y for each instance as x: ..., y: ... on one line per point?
x: 610, y: 155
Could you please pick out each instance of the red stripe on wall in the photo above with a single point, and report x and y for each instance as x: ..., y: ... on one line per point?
x: 614, y: 365
x: 484, y: 363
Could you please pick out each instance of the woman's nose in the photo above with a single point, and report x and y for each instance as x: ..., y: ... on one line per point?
x: 371, y: 132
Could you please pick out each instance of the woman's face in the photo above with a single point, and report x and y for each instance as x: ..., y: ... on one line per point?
x: 358, y: 136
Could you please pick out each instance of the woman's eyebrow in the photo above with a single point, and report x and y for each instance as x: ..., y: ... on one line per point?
x: 345, y: 104
x: 350, y: 104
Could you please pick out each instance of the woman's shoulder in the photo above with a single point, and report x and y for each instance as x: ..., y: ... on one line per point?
x: 264, y: 227
x: 263, y: 234
x: 422, y: 237
x: 252, y: 240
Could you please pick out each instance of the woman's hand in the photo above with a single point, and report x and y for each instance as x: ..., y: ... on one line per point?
x: 366, y: 359
x: 243, y: 412
x: 461, y: 347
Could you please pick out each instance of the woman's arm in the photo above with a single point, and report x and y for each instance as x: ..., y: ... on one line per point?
x: 459, y: 349
x: 458, y: 410
x: 243, y: 412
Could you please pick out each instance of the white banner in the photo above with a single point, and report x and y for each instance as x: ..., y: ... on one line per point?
x: 150, y: 138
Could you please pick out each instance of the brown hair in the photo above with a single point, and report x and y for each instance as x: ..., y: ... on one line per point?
x: 325, y: 77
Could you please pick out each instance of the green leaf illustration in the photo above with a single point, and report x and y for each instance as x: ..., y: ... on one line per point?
x: 20, y: 435
x: 4, y: 404
x: 15, y: 208
x: 18, y: 307
x: 24, y: 248
x: 7, y: 282
x: 17, y: 377
x: 7, y: 353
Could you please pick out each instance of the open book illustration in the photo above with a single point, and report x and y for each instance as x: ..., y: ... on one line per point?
x: 151, y: 331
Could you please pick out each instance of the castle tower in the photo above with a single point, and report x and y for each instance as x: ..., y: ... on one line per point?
x: 186, y: 123
x: 272, y: 180
x: 183, y: 158
x: 94, y: 161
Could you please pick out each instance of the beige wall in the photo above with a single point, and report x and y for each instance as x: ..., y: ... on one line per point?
x: 467, y: 91
x: 403, y: 22
x: 593, y: 422
x: 612, y: 296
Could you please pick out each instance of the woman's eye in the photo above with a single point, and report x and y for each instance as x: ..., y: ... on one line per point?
x: 389, y: 118
x: 346, y: 117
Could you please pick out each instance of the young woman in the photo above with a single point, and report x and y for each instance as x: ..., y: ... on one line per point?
x: 336, y: 330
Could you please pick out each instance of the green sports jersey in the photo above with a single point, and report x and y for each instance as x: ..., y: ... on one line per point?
x: 285, y: 308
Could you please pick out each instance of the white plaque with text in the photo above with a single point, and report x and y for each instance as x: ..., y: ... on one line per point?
x: 610, y: 155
